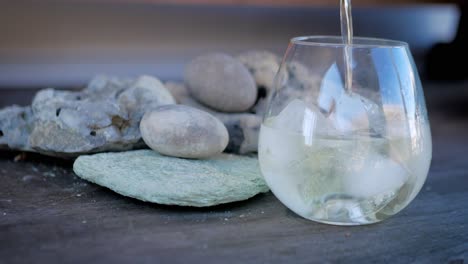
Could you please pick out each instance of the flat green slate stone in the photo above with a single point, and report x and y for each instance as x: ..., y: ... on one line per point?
x: 149, y: 176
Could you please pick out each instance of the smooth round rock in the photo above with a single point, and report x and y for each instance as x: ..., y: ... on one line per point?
x: 183, y: 131
x: 221, y: 82
x: 149, y: 176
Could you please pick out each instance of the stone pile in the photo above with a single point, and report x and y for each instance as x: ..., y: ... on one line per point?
x: 106, y: 114
x: 217, y: 108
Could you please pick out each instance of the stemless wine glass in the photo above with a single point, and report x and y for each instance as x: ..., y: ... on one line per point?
x: 346, y: 154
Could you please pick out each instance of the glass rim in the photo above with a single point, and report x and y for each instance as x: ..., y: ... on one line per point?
x: 337, y: 41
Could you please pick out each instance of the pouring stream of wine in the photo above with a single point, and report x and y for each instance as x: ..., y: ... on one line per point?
x: 347, y: 35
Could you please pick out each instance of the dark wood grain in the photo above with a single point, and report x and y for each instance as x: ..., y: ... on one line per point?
x: 48, y: 215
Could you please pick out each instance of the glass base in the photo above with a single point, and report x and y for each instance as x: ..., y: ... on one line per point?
x: 346, y: 210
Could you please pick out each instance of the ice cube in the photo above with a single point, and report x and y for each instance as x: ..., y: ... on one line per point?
x: 350, y: 114
x: 292, y: 116
x: 307, y: 120
x: 349, y: 111
x: 354, y: 113
x: 286, y: 143
x: 287, y: 135
x: 378, y: 175
x: 331, y: 88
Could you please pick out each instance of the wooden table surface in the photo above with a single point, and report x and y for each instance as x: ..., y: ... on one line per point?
x: 48, y: 215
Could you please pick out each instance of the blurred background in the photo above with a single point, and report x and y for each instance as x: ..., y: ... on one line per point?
x: 64, y: 43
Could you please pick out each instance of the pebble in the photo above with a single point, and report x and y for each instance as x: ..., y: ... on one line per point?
x: 183, y: 131
x: 221, y: 82
x: 243, y: 128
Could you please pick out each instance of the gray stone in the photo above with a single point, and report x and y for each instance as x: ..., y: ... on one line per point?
x: 149, y: 176
x: 263, y: 65
x: 70, y: 123
x: 102, y: 86
x: 221, y: 82
x: 15, y: 126
x: 104, y: 116
x: 145, y: 94
x: 183, y: 131
x: 243, y: 128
